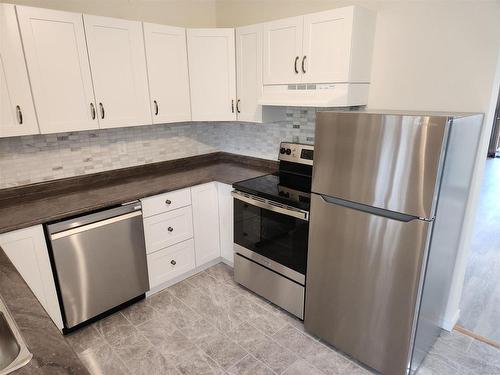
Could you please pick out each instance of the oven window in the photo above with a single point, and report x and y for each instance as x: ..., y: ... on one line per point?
x: 276, y: 236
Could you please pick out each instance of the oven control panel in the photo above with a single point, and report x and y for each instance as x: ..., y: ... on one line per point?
x: 296, y: 153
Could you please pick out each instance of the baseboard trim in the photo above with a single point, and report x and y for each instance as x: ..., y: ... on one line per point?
x: 450, y: 324
x: 184, y: 276
x: 227, y: 262
x: 476, y: 336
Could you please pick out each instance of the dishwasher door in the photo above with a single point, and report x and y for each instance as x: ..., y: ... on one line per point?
x: 100, y: 261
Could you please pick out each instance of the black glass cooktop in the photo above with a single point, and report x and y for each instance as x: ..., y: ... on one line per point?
x: 290, y: 189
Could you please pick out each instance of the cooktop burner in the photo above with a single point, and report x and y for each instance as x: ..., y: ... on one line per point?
x: 292, y: 184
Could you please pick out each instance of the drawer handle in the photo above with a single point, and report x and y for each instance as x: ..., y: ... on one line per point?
x: 168, y: 201
x: 170, y: 229
x: 173, y: 262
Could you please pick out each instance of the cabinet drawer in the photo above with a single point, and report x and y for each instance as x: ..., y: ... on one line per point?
x: 169, y: 228
x: 166, y: 264
x: 165, y: 202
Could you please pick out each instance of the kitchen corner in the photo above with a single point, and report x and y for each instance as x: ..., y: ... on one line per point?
x: 43, y: 202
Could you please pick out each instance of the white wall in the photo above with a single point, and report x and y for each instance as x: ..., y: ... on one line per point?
x: 189, y: 13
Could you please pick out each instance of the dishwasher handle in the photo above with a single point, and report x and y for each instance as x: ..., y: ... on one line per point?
x: 95, y: 225
x: 81, y: 221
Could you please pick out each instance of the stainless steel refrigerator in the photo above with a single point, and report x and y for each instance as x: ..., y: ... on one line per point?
x: 389, y: 195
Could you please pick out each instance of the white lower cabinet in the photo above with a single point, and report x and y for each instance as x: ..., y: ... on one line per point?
x: 171, y: 262
x: 27, y: 250
x: 167, y: 229
x: 226, y: 224
x: 184, y: 235
x: 206, y: 222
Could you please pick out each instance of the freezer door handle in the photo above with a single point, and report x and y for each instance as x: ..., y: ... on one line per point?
x: 371, y: 210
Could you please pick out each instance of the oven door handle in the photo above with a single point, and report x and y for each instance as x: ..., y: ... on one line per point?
x: 271, y: 206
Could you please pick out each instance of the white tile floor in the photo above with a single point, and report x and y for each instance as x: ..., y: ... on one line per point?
x: 207, y: 324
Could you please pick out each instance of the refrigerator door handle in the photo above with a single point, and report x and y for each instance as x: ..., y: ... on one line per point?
x: 372, y: 210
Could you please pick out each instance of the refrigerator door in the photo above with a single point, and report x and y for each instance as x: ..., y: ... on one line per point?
x: 387, y: 161
x: 363, y: 281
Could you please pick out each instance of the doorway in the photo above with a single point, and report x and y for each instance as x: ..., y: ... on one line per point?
x: 480, y: 304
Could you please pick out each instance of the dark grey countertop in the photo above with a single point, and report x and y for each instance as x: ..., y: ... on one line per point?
x: 48, y: 201
x: 51, y: 353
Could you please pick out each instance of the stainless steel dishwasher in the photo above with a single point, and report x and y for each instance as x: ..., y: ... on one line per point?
x: 99, y: 262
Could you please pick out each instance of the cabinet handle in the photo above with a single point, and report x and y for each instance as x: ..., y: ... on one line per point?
x: 170, y: 229
x: 295, y: 65
x: 238, y: 105
x: 92, y: 110
x: 168, y: 201
x: 303, y: 64
x: 173, y: 262
x: 19, y: 115
x: 102, y: 110
x: 232, y: 106
x: 156, y: 108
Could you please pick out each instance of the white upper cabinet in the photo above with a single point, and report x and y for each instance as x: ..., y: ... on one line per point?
x: 118, y: 61
x: 212, y: 74
x: 17, y: 112
x: 249, y: 72
x: 337, y: 46
x: 166, y: 56
x: 334, y: 46
x: 58, y: 66
x: 283, y: 51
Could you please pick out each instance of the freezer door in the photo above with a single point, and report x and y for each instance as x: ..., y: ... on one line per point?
x: 388, y: 161
x: 363, y: 277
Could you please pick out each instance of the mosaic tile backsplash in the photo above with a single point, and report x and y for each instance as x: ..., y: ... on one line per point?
x: 29, y: 159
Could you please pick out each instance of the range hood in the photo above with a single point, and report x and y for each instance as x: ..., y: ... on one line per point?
x: 315, y: 95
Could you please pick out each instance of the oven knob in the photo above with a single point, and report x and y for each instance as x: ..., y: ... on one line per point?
x: 282, y: 150
x: 288, y: 151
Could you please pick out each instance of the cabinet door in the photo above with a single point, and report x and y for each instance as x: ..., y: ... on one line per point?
x: 212, y: 74
x: 205, y: 222
x: 27, y: 251
x: 17, y: 112
x: 169, y: 228
x: 283, y: 51
x: 226, y: 223
x: 249, y: 72
x: 327, y: 43
x: 166, y: 56
x: 58, y: 66
x: 167, y: 264
x: 118, y: 61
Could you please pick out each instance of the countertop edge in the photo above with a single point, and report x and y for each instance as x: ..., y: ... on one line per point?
x: 42, y: 193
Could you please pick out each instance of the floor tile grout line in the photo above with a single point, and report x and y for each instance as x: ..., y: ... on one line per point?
x: 276, y: 343
x: 201, y: 316
x: 258, y: 360
x: 152, y: 345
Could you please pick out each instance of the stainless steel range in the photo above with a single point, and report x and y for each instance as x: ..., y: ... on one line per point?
x: 271, y: 229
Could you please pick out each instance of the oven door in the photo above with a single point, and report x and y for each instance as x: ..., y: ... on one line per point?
x: 272, y: 235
